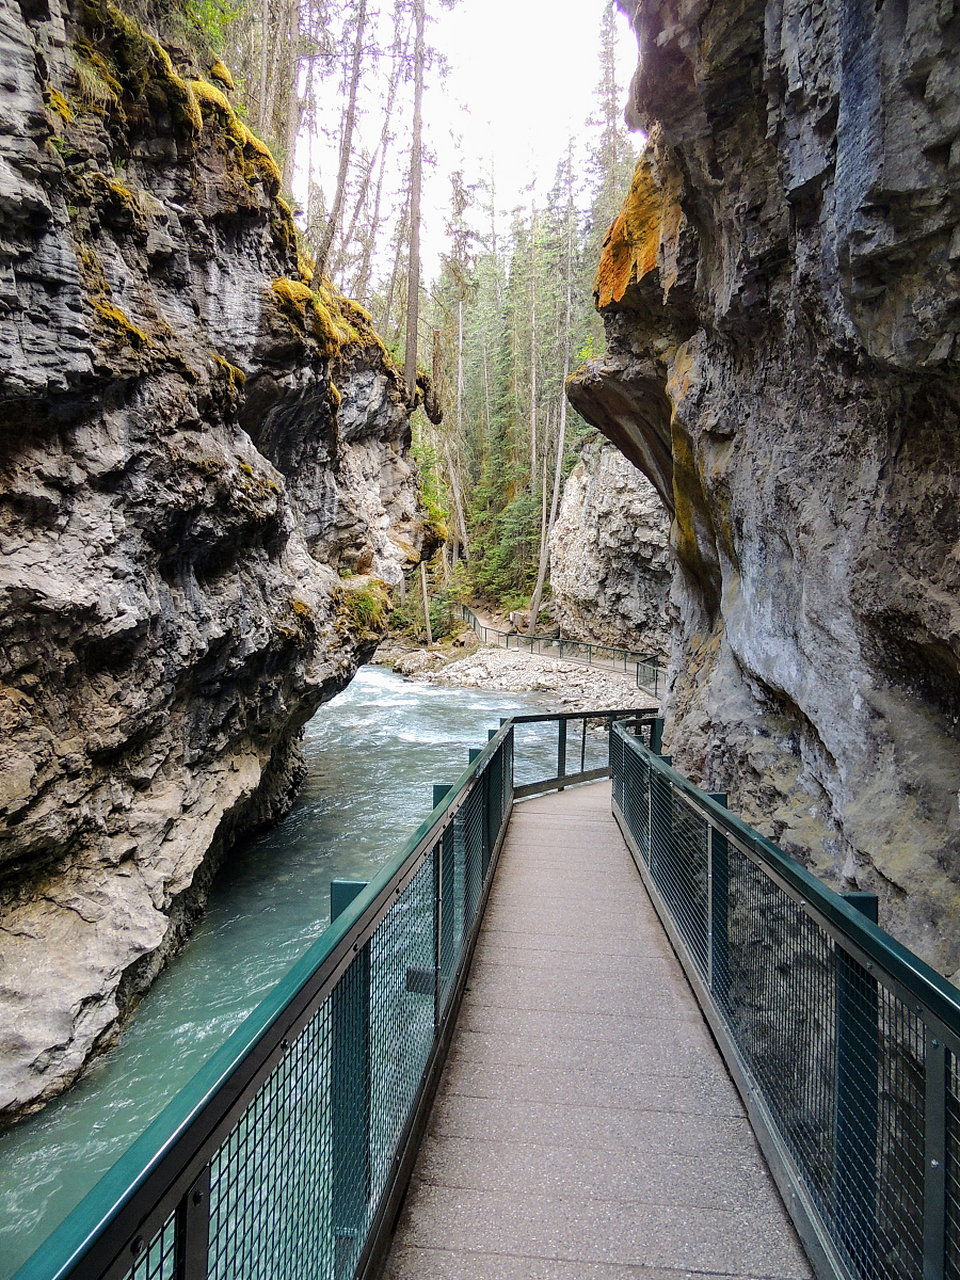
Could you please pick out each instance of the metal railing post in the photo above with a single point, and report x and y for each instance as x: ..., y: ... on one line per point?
x: 719, y: 897
x: 561, y: 749
x: 193, y: 1229
x: 661, y: 825
x: 350, y: 1094
x: 935, y: 1157
x: 858, y: 1070
x: 447, y: 940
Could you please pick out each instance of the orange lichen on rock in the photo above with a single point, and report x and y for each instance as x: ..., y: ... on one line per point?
x: 645, y: 232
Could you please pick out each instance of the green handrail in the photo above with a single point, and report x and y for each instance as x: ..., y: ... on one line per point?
x: 398, y: 954
x: 844, y: 1044
x: 649, y: 674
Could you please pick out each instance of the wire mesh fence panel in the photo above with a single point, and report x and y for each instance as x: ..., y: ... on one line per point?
x: 401, y: 1015
x: 952, y: 1206
x: 535, y: 751
x: 851, y: 1074
x: 782, y: 1001
x: 450, y: 909
x: 270, y: 1181
x: 897, y: 1247
x: 684, y: 871
x: 636, y: 799
x: 471, y: 819
x: 158, y: 1259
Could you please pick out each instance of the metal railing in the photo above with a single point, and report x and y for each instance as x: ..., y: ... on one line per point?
x: 644, y: 666
x: 288, y: 1153
x: 844, y: 1045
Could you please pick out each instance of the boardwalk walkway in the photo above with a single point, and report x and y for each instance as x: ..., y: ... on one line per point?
x: 496, y: 639
x: 585, y: 1127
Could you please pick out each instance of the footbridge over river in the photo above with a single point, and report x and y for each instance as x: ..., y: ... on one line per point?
x: 578, y: 1029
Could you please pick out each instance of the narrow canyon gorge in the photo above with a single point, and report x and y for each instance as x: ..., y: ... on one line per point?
x: 206, y: 489
x: 781, y: 295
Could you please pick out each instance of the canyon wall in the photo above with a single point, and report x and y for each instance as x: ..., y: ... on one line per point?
x: 782, y: 302
x: 609, y: 560
x: 205, y: 484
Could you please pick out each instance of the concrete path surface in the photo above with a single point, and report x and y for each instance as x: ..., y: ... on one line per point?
x: 585, y: 1127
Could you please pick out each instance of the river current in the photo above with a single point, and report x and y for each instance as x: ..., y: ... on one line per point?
x: 372, y: 754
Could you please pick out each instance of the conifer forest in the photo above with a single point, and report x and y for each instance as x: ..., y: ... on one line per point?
x: 504, y: 310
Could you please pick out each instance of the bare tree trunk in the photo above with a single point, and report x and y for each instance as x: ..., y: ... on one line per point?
x: 346, y: 142
x: 426, y: 602
x: 457, y: 501
x: 561, y: 433
x: 361, y: 283
x: 264, y: 65
x: 543, y: 488
x: 413, y: 265
x: 459, y: 368
x: 294, y: 107
x: 395, y: 271
x: 533, y: 352
x: 557, y: 474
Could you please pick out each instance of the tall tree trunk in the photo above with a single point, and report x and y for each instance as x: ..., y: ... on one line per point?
x: 426, y: 602
x: 346, y: 142
x: 395, y: 271
x: 457, y: 501
x: 533, y: 352
x: 401, y: 44
x: 557, y: 475
x: 561, y: 433
x: 264, y: 66
x: 416, y: 159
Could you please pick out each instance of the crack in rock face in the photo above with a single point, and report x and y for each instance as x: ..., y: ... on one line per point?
x: 782, y: 302
x: 204, y: 472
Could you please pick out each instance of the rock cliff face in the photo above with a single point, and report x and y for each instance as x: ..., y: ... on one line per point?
x: 782, y: 304
x: 609, y: 561
x: 204, y: 480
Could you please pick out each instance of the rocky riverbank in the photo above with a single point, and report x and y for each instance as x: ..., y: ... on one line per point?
x: 567, y: 685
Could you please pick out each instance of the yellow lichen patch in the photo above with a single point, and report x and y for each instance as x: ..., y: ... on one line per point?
x: 306, y: 262
x: 97, y: 87
x: 220, y: 71
x: 124, y: 326
x: 109, y: 190
x: 645, y: 232
x: 142, y: 61
x: 209, y: 95
x: 330, y: 328
x: 58, y: 103
x: 318, y: 311
x: 235, y: 376
x: 294, y: 298
x: 259, y: 163
x: 336, y: 399
x: 358, y: 314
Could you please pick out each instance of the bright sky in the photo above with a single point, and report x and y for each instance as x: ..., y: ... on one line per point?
x: 522, y: 79
x: 521, y: 82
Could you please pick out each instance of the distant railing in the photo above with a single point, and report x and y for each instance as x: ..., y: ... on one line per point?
x: 844, y: 1045
x: 288, y: 1153
x: 644, y: 666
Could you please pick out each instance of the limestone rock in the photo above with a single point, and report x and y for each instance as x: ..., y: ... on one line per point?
x: 197, y: 446
x: 782, y: 302
x: 609, y: 560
